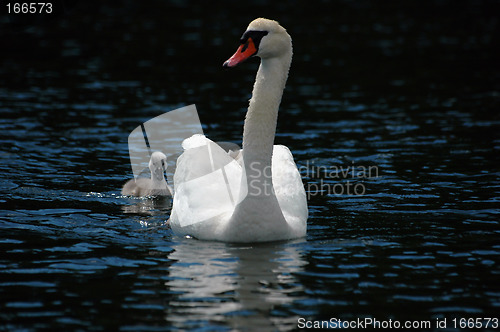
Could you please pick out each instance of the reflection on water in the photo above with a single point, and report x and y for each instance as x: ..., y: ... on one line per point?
x: 238, y: 286
x: 148, y: 205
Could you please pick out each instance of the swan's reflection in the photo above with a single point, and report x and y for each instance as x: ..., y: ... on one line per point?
x: 148, y: 206
x: 234, y: 285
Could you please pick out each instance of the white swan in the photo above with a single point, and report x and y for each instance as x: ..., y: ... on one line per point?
x: 156, y: 185
x: 271, y: 204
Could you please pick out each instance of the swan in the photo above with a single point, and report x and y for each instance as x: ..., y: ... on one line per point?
x: 156, y: 185
x: 267, y: 200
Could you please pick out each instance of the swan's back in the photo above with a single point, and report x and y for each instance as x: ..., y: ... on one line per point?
x: 207, y: 181
x: 289, y: 188
x: 205, y: 200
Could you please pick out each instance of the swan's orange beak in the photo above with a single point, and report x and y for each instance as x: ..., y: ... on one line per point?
x: 244, y: 52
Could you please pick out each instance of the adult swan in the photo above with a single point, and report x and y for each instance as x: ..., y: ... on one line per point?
x: 256, y: 194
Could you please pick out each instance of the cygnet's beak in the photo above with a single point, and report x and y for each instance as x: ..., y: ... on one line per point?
x: 245, y: 51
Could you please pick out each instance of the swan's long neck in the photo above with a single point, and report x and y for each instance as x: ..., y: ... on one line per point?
x: 260, y: 122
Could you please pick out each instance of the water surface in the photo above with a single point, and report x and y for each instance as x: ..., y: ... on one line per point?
x: 407, y: 89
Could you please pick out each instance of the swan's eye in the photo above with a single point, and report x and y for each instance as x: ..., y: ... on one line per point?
x: 245, y: 46
x: 255, y: 35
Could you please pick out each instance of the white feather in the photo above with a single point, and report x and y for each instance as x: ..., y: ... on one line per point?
x: 255, y: 194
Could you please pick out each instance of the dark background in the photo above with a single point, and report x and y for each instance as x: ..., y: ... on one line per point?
x: 177, y: 47
x: 411, y: 87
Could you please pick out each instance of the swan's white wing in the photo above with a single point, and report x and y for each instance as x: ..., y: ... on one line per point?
x: 288, y: 187
x: 207, y: 183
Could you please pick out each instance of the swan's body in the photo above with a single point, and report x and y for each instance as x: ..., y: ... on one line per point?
x: 156, y: 185
x: 267, y: 201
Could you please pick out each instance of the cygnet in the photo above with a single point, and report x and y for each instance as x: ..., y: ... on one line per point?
x: 156, y: 185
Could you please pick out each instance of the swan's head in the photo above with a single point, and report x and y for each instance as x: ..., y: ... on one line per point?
x: 263, y: 38
x: 158, y: 164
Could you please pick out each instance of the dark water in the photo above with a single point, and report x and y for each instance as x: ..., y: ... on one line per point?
x: 408, y: 89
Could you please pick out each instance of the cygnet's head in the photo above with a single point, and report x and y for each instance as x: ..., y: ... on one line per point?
x: 158, y: 165
x: 263, y: 38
